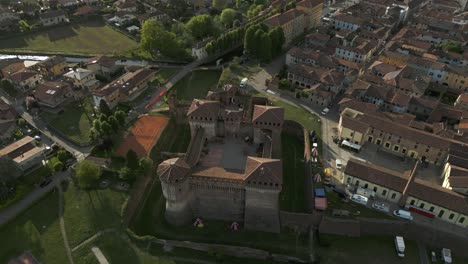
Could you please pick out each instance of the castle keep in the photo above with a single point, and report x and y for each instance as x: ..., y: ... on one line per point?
x: 232, y: 169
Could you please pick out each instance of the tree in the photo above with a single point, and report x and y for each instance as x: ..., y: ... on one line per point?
x: 201, y: 26
x: 21, y: 122
x: 228, y: 16
x: 120, y: 116
x: 236, y: 23
x: 88, y: 173
x: 62, y: 155
x: 219, y: 4
x: 97, y: 126
x: 104, y: 108
x: 106, y: 129
x: 132, y: 160
x: 249, y: 39
x: 155, y: 38
x: 8, y: 169
x: 146, y: 165
x: 114, y: 123
x: 56, y: 164
x: 126, y: 174
x: 452, y: 46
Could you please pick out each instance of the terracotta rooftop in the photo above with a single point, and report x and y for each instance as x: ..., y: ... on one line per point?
x: 268, y: 114
x: 102, y: 60
x: 260, y: 171
x: 204, y: 109
x: 310, y: 3
x: 173, y: 170
x: 283, y: 18
x: 52, y: 14
x: 48, y: 90
x: 22, y: 76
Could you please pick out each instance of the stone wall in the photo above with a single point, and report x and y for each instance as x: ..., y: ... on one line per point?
x: 430, y: 236
x: 262, y: 209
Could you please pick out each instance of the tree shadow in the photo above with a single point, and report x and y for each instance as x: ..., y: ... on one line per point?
x: 61, y: 33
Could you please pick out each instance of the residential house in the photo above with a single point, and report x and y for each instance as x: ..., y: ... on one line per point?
x: 386, y: 98
x: 462, y: 101
x: 126, y: 5
x: 125, y: 88
x: 68, y: 3
x: 317, y: 95
x: 53, y: 17
x: 24, y: 153
x: 51, y: 67
x: 348, y: 22
x: 457, y: 78
x: 455, y: 173
x: 82, y: 78
x: 422, y: 107
x: 8, y: 116
x: 408, y: 191
x: 25, y: 79
x: 156, y: 14
x: 7, y: 14
x: 316, y: 39
x: 392, y: 134
x: 359, y: 50
x: 102, y: 65
x: 9, y: 67
x: 85, y: 10
x: 54, y: 95
x: 304, y: 76
x: 8, y: 25
x: 293, y: 23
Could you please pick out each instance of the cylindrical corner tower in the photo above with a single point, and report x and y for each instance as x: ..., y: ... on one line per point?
x: 174, y: 176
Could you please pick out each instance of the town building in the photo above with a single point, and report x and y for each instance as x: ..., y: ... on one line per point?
x: 102, y: 65
x: 24, y: 153
x: 125, y: 88
x: 82, y: 78
x: 408, y: 191
x: 8, y: 117
x: 25, y: 79
x: 52, y: 67
x: 304, y: 76
x: 455, y: 172
x: 126, y: 5
x: 232, y: 170
x: 53, y: 95
x: 462, y: 101
x: 54, y: 17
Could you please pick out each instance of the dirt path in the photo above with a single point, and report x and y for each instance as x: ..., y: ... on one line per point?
x: 62, y: 225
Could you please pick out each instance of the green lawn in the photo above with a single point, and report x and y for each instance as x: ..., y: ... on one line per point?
x: 75, y: 122
x: 292, y: 197
x: 117, y: 251
x: 37, y: 230
x: 87, y: 212
x: 370, y: 249
x: 90, y: 37
x: 196, y: 84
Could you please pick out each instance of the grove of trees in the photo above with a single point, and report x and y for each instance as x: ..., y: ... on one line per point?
x: 155, y: 39
x: 87, y: 173
x: 262, y: 43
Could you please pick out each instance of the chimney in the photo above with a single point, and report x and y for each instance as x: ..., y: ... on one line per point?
x: 412, y: 176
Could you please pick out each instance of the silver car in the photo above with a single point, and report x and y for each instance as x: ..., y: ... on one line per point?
x: 381, y: 206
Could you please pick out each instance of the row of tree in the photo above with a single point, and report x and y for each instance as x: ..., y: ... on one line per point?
x: 156, y: 39
x: 225, y: 41
x: 263, y: 43
x: 107, y: 123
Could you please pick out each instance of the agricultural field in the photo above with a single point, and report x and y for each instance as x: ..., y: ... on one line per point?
x: 89, y: 37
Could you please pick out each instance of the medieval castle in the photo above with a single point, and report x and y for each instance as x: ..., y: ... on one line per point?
x: 232, y: 169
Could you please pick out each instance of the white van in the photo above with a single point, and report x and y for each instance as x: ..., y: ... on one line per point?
x: 403, y: 214
x: 339, y: 164
x: 359, y: 199
x: 446, y: 256
x: 400, y: 246
x: 243, y: 82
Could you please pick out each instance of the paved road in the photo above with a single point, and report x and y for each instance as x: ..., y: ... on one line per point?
x: 422, y: 253
x: 11, y: 212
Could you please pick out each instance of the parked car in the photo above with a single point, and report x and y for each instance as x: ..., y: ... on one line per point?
x: 359, y: 199
x: 325, y: 111
x: 403, y: 214
x: 381, y: 206
x: 37, y: 137
x: 339, y: 164
x: 45, y: 182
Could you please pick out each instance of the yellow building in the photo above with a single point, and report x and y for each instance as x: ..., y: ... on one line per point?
x: 457, y: 78
x: 455, y: 173
x: 292, y: 22
x: 313, y: 11
x: 409, y: 191
x: 53, y: 66
x: 393, y: 58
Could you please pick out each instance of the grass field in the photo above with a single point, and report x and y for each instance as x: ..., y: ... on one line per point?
x: 356, y: 210
x: 197, y: 84
x: 37, y: 230
x: 117, y: 251
x: 75, y: 122
x: 370, y: 249
x: 87, y: 212
x: 90, y: 37
x: 292, y: 197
